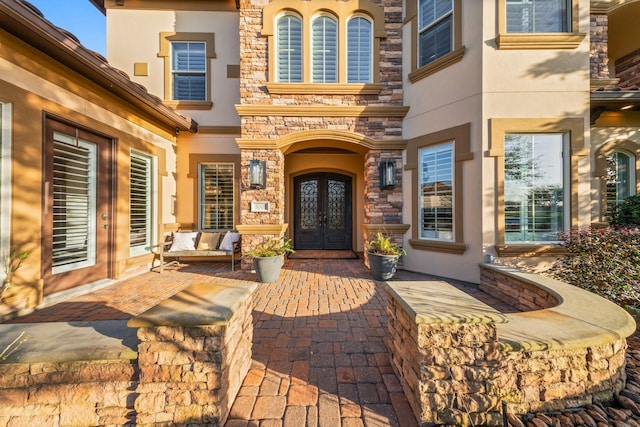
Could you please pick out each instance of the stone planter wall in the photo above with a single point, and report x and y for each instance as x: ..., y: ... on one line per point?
x: 193, y: 353
x: 461, y: 362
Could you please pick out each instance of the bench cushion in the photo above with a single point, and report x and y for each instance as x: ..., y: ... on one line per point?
x: 208, y: 241
x: 184, y: 241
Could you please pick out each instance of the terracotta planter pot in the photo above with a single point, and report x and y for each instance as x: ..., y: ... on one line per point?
x: 268, y: 268
x: 382, y: 267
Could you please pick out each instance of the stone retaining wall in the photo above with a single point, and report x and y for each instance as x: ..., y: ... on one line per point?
x: 193, y: 354
x: 521, y: 295
x: 461, y: 362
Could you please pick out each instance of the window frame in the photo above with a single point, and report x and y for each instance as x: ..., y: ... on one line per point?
x: 422, y: 195
x: 630, y: 177
x: 574, y: 127
x: 312, y: 49
x: 152, y: 228
x: 351, y: 19
x: 201, y: 196
x: 175, y: 72
x: 461, y: 137
x: 419, y: 72
x: 434, y: 25
x: 570, y: 39
x: 600, y: 168
x: 278, y: 19
x: 166, y: 40
x: 564, y: 181
x: 341, y: 12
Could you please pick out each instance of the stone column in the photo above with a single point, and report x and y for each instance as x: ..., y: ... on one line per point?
x: 599, y: 53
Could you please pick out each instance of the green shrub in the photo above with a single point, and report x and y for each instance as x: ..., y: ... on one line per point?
x: 603, y: 261
x: 627, y: 213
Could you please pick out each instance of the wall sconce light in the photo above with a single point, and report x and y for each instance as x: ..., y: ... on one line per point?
x: 387, y: 174
x: 257, y: 174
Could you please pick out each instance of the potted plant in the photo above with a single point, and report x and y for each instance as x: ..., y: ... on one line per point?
x: 268, y: 258
x: 383, y: 256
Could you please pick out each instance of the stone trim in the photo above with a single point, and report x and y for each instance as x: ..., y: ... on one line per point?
x: 263, y: 229
x: 539, y: 41
x: 321, y: 110
x: 390, y: 228
x: 437, y: 65
x: 286, y: 141
x: 324, y: 88
x: 189, y: 105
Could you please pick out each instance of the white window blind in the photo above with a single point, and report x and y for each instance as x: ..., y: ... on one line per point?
x: 359, y: 49
x: 216, y: 196
x: 620, y: 178
x: 325, y: 50
x: 140, y: 206
x: 436, y: 192
x: 435, y: 22
x: 538, y: 16
x: 289, y: 46
x: 188, y: 67
x: 74, y: 203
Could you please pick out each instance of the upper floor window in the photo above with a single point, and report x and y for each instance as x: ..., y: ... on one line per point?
x: 620, y: 178
x: 538, y: 16
x: 313, y: 49
x: 188, y: 67
x: 359, y: 39
x: 289, y: 47
x: 436, y: 191
x: 534, y: 187
x: 435, y: 25
x: 324, y: 59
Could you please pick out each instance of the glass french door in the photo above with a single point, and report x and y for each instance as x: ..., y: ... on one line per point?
x: 322, y: 211
x: 77, y: 210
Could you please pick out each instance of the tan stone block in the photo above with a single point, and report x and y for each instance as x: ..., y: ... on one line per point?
x: 189, y: 414
x: 78, y: 414
x: 150, y: 403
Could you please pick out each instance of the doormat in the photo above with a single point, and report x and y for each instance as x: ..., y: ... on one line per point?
x: 323, y: 254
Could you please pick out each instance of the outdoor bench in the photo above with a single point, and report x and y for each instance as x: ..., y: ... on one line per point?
x: 198, y: 244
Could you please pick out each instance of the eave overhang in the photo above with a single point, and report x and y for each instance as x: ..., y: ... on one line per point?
x: 613, y: 100
x: 21, y: 20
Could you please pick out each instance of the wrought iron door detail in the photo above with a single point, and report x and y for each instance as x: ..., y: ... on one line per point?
x: 309, y: 217
x: 336, y: 191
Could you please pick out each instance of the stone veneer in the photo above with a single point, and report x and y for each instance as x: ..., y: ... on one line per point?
x: 628, y: 70
x: 194, y: 352
x: 462, y: 362
x: 599, y: 52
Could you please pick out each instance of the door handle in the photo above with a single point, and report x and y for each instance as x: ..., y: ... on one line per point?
x: 105, y: 216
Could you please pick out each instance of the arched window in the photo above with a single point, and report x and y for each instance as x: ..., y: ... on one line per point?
x: 359, y: 50
x: 289, y: 46
x: 324, y: 59
x: 620, y: 178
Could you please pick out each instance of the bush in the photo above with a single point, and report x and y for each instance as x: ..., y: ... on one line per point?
x: 603, y: 261
x: 627, y: 213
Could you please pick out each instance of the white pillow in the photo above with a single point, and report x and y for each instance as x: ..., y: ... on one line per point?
x: 184, y: 241
x: 229, y: 239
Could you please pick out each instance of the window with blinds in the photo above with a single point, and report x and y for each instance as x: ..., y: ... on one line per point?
x: 436, y: 191
x: 435, y: 27
x: 289, y: 46
x: 188, y: 69
x: 74, y: 203
x: 216, y: 182
x: 359, y: 50
x: 620, y: 178
x: 324, y: 60
x: 538, y: 16
x: 140, y: 203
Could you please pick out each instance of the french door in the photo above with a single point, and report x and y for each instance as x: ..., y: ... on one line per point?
x: 77, y: 211
x: 322, y: 211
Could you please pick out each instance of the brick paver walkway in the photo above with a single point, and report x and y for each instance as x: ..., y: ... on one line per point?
x: 318, y: 353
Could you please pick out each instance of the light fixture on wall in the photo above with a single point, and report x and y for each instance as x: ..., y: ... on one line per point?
x: 257, y: 174
x: 387, y: 174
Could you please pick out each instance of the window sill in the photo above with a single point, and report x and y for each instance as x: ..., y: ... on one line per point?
x: 438, y: 246
x: 324, y: 88
x: 437, y: 65
x: 529, y: 250
x: 189, y: 105
x: 539, y: 41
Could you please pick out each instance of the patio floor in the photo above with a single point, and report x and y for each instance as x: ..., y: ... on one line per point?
x: 318, y: 352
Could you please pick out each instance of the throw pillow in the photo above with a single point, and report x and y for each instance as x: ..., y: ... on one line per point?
x: 184, y: 241
x: 208, y: 241
x: 228, y: 240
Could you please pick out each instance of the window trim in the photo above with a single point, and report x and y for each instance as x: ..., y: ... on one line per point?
x: 277, y: 19
x: 461, y: 137
x: 342, y: 12
x: 600, y: 167
x: 195, y: 160
x: 153, y: 203
x: 499, y: 127
x: 350, y: 19
x: 201, y: 193
x: 563, y: 40
x: 166, y: 38
x: 452, y: 144
x: 418, y: 73
x: 334, y: 19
